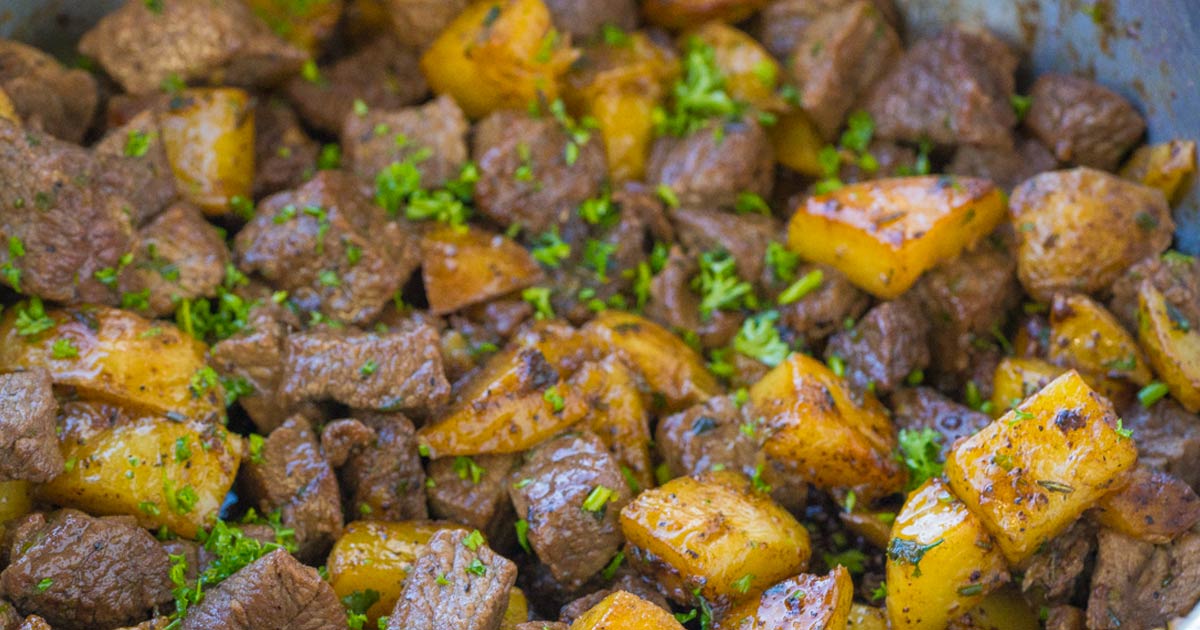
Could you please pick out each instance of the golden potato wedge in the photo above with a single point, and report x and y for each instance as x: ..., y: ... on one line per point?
x: 1030, y: 474
x: 670, y: 367
x: 120, y: 357
x: 797, y: 603
x: 684, y: 14
x: 1172, y: 344
x: 517, y: 611
x: 208, y: 134
x: 305, y: 24
x: 1003, y: 609
x: 813, y: 427
x: 1153, y: 506
x: 464, y: 267
x: 162, y: 472
x: 498, y: 55
x: 7, y: 111
x: 623, y: 610
x: 1017, y: 379
x: 798, y: 143
x: 941, y: 562
x: 619, y: 416
x: 1085, y: 336
x: 378, y: 555
x: 884, y: 233
x: 1080, y: 229
x: 751, y: 74
x: 863, y: 617
x: 1163, y: 166
x: 710, y: 533
x: 15, y: 501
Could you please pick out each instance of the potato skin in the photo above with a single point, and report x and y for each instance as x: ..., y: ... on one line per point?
x: 623, y: 610
x: 825, y: 603
x: 1085, y: 336
x: 1080, y: 229
x: 1163, y: 166
x: 683, y: 14
x: 1028, y: 475
x: 1172, y: 347
x: 517, y: 611
x: 619, y: 415
x: 710, y: 531
x: 1153, y: 506
x: 208, y: 134
x: 469, y: 266
x: 960, y: 563
x: 863, y: 617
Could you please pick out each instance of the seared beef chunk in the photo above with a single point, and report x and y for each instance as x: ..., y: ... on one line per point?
x: 133, y: 164
x: 291, y: 475
x: 418, y: 22
x: 585, y: 18
x: 527, y: 175
x: 1177, y: 277
x: 1083, y: 122
x: 782, y: 22
x: 398, y: 370
x: 142, y: 45
x: 386, y: 474
x: 891, y: 159
x: 1168, y: 438
x: 47, y: 96
x: 885, y: 346
x: 1140, y: 585
x: 329, y: 247
x: 342, y: 438
x: 951, y: 89
x: 1053, y: 572
x: 372, y: 141
x: 675, y: 305
x: 68, y: 228
x: 458, y: 583
x: 825, y: 309
x: 571, y: 492
x: 84, y: 573
x: 1006, y: 166
x: 1160, y: 505
x: 745, y: 236
x: 275, y: 592
x: 382, y: 74
x: 923, y: 407
x: 28, y: 444
x: 713, y: 165
x: 179, y: 256
x: 474, y: 491
x: 838, y: 58
x: 705, y: 437
x: 284, y: 156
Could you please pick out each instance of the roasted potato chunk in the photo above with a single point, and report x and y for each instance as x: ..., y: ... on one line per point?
x: 941, y: 562
x: 814, y: 428
x: 1017, y: 379
x: 469, y: 266
x: 751, y: 74
x: 498, y: 55
x: 683, y: 14
x: 7, y: 110
x: 517, y: 611
x: 713, y: 533
x: 162, y: 472
x: 1163, y: 166
x: 623, y: 610
x: 1004, y: 609
x: 1085, y: 336
x: 208, y: 134
x: 619, y: 416
x: 120, y: 357
x: 1172, y: 343
x: 797, y: 603
x: 1030, y: 474
x: 1153, y: 506
x: 863, y: 617
x: 15, y: 501
x: 1080, y: 229
x: 305, y: 24
x: 884, y: 233
x: 798, y: 143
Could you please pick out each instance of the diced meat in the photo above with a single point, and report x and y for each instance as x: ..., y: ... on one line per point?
x: 673, y: 304
x: 1065, y: 618
x: 891, y: 159
x: 1168, y: 438
x: 1152, y: 505
x: 456, y: 584
x: 543, y: 625
x: 386, y: 475
x: 382, y: 74
x: 744, y: 236
x: 571, y: 531
x: 483, y: 505
x: 179, y: 256
x: 1056, y: 568
x: 924, y: 407
x: 713, y: 165
x: 585, y: 18
x: 28, y: 442
x: 133, y: 165
x: 46, y: 95
x: 69, y: 229
x: 329, y: 247
x: 1176, y: 277
x: 838, y: 58
x: 706, y: 437
x: 399, y: 370
x: 342, y: 438
x: 292, y: 476
x: 524, y: 174
x: 9, y: 617
x: 825, y: 309
x: 275, y: 592
x: 884, y: 347
x: 1140, y: 585
x: 951, y: 89
x: 781, y: 23
x: 80, y: 572
x: 1083, y: 122
x: 284, y: 156
x: 418, y: 22
x: 141, y: 46
x: 372, y: 141
x: 1006, y: 166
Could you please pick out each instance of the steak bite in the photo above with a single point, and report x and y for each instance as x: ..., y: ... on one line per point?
x: 474, y: 491
x: 384, y: 479
x: 284, y: 155
x: 133, y: 164
x: 712, y: 166
x: 45, y: 94
x: 438, y: 130
x: 179, y: 256
x: 1083, y: 122
x: 28, y: 443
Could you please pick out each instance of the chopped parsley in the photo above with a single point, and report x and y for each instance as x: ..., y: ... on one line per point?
x: 782, y: 262
x: 32, y: 319
x: 610, y: 570
x: 910, y: 552
x: 853, y: 559
x: 368, y: 368
x: 806, y: 284
x: 742, y: 584
x: 921, y: 453
x: 597, y: 499
x: 466, y: 468
x: 552, y: 396
x: 1150, y: 394
x: 137, y: 142
x: 330, y: 157
x: 64, y: 348
x: 539, y: 298
x: 719, y: 285
x: 473, y: 540
x: 699, y: 95
x: 749, y: 203
x: 522, y: 527
x: 477, y: 567
x: 550, y: 250
x: 759, y: 339
x: 1020, y: 105
x: 595, y: 257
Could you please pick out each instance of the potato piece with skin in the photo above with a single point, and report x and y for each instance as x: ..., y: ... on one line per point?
x: 1017, y: 379
x: 1085, y: 336
x: 1080, y: 229
x: 1028, y: 475
x: 802, y: 602
x: 884, y: 233
x: 863, y: 617
x: 1153, y: 506
x: 619, y: 416
x: 498, y: 55
x: 378, y: 555
x: 469, y: 266
x: 517, y: 611
x: 1004, y: 609
x: 15, y: 501
x: 1172, y: 344
x: 208, y: 134
x: 623, y: 610
x: 751, y: 73
x: 798, y: 143
x: 814, y: 428
x: 709, y: 533
x: 144, y: 365
x: 1163, y: 166
x: 7, y: 110
x: 683, y: 14
x: 941, y: 562
x: 162, y: 472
